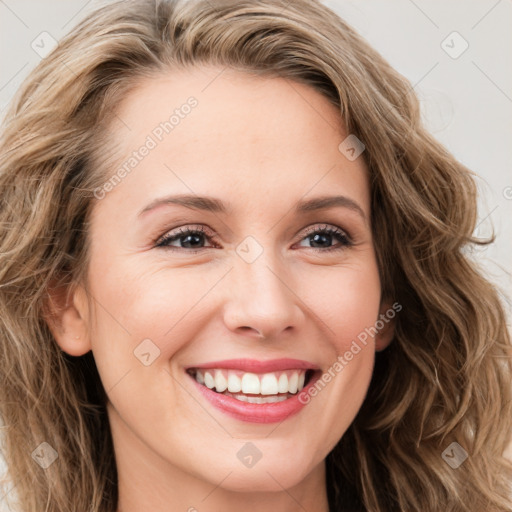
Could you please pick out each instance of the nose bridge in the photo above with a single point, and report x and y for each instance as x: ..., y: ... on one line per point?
x: 260, y: 296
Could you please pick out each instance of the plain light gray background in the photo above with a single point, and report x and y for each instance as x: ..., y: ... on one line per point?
x: 466, y: 99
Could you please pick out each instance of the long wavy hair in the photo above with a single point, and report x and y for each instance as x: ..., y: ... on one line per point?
x: 445, y: 378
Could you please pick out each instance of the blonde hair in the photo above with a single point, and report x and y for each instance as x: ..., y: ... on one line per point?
x: 445, y: 378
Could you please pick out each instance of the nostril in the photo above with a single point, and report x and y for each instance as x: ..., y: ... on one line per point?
x: 246, y: 328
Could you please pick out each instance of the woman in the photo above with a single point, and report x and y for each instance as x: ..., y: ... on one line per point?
x: 175, y: 335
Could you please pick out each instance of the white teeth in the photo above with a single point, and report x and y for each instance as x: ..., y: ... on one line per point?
x: 235, y: 381
x: 273, y: 399
x: 282, y: 385
x: 258, y: 399
x: 293, y: 382
x: 250, y: 384
x: 221, y: 384
x: 264, y: 399
x: 302, y: 378
x: 269, y: 384
x: 209, y: 382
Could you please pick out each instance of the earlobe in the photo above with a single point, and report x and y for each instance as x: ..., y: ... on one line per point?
x: 65, y: 315
x: 386, y: 324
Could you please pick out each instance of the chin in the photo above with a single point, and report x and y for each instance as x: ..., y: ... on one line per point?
x: 263, y: 477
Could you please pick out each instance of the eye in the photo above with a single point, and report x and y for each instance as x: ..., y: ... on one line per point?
x: 190, y: 239
x: 325, y: 235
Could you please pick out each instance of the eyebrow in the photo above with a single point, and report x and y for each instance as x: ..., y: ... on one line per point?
x: 214, y: 205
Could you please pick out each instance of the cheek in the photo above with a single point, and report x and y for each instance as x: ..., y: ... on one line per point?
x: 347, y: 300
x: 348, y: 305
x: 142, y: 320
x: 155, y: 309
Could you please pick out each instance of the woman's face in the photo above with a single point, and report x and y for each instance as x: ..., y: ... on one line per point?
x: 258, y: 288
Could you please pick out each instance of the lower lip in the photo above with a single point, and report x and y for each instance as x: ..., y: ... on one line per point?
x: 256, y: 413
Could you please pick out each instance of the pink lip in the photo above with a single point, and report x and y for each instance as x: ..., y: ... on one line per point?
x: 255, y: 366
x: 256, y: 413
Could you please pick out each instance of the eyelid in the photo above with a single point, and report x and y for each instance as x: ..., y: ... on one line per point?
x: 326, y: 227
x: 176, y: 232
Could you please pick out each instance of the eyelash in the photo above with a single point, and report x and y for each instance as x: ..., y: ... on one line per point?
x: 328, y: 230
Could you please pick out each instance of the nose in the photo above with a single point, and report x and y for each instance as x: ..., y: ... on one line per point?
x: 261, y: 302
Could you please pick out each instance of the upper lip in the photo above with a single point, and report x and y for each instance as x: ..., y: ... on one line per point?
x: 255, y: 366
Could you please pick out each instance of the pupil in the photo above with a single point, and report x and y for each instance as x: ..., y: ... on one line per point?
x: 195, y: 238
x: 320, y: 236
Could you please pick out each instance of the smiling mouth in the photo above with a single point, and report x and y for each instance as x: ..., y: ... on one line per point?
x: 256, y: 388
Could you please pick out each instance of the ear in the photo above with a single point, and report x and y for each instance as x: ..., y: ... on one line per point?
x: 386, y: 324
x: 66, y: 313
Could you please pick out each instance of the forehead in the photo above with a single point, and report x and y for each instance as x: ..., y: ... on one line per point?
x: 213, y: 131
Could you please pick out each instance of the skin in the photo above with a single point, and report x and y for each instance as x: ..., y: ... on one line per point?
x: 260, y: 145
